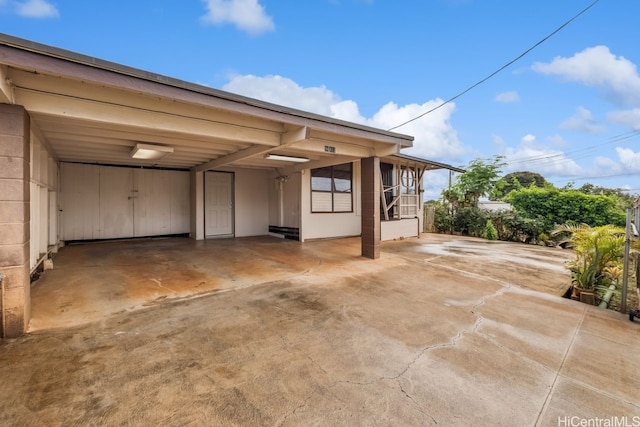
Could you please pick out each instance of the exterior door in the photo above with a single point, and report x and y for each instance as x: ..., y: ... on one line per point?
x: 218, y: 204
x: 108, y: 202
x: 116, y: 202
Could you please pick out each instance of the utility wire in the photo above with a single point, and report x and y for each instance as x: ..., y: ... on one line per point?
x: 498, y: 70
x: 549, y: 158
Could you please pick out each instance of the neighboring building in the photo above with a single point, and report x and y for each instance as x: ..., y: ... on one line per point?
x: 494, y: 206
x: 94, y: 150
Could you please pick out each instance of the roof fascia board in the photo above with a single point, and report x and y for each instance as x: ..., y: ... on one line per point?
x: 6, y: 91
x: 437, y: 165
x: 37, y: 57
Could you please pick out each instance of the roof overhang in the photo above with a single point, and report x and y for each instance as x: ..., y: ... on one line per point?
x: 89, y: 110
x: 423, y: 163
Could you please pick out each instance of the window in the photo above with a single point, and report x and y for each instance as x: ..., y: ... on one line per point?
x: 331, y: 189
x: 409, y: 181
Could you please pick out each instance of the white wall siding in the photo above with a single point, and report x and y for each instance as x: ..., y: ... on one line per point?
x: 43, y: 226
x: 252, y: 202
x: 284, y: 200
x: 397, y: 229
x: 79, y: 201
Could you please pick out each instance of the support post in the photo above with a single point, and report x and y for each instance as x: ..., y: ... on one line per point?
x: 370, y: 220
x: 625, y: 274
x: 15, y: 176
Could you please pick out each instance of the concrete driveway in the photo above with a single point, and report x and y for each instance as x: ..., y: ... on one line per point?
x: 439, y: 331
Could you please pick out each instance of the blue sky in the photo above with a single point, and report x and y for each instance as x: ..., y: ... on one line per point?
x: 569, y: 109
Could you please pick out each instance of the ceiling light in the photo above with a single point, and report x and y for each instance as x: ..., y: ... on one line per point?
x: 286, y: 158
x: 150, y: 151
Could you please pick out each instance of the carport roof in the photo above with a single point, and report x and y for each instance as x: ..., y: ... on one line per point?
x: 88, y: 109
x: 428, y: 164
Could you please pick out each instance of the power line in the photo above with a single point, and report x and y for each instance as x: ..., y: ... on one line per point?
x: 499, y: 69
x: 563, y: 155
x: 596, y: 178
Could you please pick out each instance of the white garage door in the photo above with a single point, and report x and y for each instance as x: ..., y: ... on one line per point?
x: 107, y: 202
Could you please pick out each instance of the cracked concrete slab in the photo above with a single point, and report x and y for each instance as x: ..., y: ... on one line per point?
x: 313, y: 334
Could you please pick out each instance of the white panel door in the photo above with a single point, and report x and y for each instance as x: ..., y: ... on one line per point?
x: 218, y: 204
x: 180, y: 202
x: 152, y: 202
x: 108, y: 202
x: 161, y: 202
x: 79, y: 201
x: 116, y: 202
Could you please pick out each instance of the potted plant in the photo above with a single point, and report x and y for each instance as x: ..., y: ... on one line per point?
x: 595, y: 249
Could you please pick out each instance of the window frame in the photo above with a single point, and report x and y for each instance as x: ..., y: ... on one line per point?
x: 334, y: 188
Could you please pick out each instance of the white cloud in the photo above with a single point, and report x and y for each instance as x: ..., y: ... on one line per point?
x: 628, y: 162
x: 508, y: 97
x: 247, y: 15
x: 605, y: 166
x: 557, y: 140
x: 628, y: 118
x: 582, y: 121
x: 535, y: 157
x: 435, y: 137
x: 34, y: 9
x: 284, y: 91
x: 615, y: 76
x: 434, y: 182
x: 629, y: 159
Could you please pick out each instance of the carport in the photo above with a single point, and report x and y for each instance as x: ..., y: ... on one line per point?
x: 92, y: 150
x: 93, y: 281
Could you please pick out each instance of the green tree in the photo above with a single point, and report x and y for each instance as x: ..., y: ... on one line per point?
x: 477, y: 181
x: 623, y: 199
x: 516, y: 181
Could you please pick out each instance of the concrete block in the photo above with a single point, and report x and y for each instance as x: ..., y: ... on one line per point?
x: 15, y: 120
x: 14, y: 313
x: 14, y: 326
x: 14, y: 255
x: 13, y: 297
x: 16, y: 277
x: 14, y: 168
x: 12, y: 212
x: 14, y: 190
x: 14, y: 234
x: 14, y: 146
x: 12, y: 125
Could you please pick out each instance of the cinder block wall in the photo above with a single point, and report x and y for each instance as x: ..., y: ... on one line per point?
x: 14, y: 220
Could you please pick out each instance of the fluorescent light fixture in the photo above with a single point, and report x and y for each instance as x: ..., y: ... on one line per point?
x: 150, y: 151
x: 286, y: 158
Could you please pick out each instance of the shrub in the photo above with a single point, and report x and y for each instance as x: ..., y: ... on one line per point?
x: 552, y: 207
x: 513, y: 227
x: 469, y: 221
x: 490, y: 232
x: 443, y: 221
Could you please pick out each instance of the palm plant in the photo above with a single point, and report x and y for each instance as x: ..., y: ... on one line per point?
x: 596, y: 249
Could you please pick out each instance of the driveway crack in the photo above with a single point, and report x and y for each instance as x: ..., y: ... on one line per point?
x: 418, y: 407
